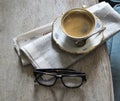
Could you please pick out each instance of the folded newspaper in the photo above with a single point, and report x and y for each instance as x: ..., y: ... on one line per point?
x: 37, y: 48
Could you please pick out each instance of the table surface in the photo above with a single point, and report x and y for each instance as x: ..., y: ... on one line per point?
x: 16, y: 82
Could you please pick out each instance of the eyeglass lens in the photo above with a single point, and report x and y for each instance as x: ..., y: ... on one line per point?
x: 72, y: 81
x: 47, y: 80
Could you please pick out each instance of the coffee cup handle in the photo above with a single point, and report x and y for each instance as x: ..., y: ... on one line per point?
x: 84, y: 6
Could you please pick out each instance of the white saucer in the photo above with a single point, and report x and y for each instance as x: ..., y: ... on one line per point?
x: 67, y: 45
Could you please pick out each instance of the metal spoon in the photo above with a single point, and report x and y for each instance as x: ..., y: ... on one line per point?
x: 82, y: 42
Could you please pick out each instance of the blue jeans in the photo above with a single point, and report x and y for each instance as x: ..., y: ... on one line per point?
x: 113, y: 45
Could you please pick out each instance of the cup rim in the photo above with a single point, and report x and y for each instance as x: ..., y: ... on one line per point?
x: 90, y: 15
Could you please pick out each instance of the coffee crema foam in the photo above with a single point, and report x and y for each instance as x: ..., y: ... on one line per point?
x: 77, y: 24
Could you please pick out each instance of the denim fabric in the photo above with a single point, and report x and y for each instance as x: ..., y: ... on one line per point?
x: 117, y: 8
x: 113, y: 45
x: 117, y: 1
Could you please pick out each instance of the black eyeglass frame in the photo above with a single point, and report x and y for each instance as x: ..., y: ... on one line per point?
x: 58, y: 73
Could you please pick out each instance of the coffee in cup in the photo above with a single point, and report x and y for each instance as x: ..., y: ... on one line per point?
x: 78, y: 24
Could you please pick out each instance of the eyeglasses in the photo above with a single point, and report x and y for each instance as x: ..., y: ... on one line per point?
x: 69, y: 77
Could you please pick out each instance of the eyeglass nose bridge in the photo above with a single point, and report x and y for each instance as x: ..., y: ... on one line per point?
x: 58, y: 76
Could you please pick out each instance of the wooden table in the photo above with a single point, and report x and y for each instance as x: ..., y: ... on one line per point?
x: 16, y: 82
